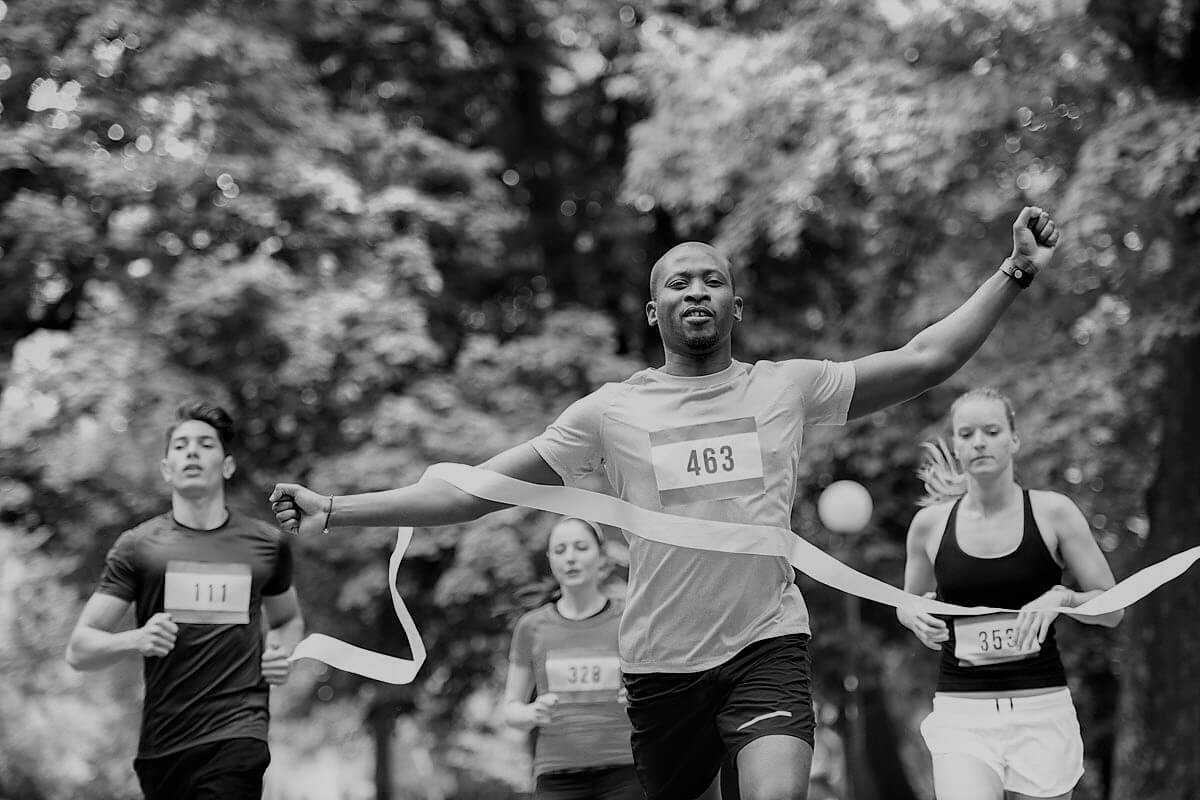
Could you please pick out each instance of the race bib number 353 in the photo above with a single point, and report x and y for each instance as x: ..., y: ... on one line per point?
x: 711, y: 461
x: 990, y: 639
x: 198, y: 592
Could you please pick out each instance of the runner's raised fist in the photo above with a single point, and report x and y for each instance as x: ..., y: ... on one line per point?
x: 1035, y: 236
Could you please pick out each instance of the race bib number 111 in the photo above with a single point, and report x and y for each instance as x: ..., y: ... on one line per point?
x: 711, y: 461
x: 198, y: 592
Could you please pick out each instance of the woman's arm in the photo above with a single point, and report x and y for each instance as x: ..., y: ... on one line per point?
x: 519, y: 713
x: 1082, y: 556
x: 919, y: 579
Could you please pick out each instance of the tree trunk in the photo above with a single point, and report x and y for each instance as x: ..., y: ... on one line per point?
x: 1160, y: 658
x: 382, y: 721
x: 882, y: 745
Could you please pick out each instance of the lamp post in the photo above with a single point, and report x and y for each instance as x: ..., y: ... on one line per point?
x: 845, y: 508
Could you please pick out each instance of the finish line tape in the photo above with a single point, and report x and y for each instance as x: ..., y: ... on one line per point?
x: 676, y: 531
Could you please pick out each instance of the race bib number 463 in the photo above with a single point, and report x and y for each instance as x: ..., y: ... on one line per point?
x: 198, y: 592
x: 989, y: 639
x: 711, y: 461
x: 579, y: 676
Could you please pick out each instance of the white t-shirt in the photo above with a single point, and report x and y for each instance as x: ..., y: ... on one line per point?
x: 722, y: 447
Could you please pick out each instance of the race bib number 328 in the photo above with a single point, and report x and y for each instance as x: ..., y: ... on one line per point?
x: 581, y: 676
x: 198, y: 592
x: 711, y: 461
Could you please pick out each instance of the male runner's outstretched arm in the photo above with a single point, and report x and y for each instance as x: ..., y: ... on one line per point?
x: 428, y: 502
x: 937, y: 352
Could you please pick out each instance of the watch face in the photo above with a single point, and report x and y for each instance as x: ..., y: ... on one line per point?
x: 1021, y: 276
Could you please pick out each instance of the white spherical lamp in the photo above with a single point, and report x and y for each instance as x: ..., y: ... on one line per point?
x: 845, y: 507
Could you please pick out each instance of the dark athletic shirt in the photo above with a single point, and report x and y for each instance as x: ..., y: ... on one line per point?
x: 210, y: 686
x: 577, y: 660
x: 1007, y: 581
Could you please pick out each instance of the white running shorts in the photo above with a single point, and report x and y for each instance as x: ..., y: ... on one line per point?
x: 1032, y: 743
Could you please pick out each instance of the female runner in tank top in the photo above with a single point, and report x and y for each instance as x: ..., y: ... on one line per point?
x: 567, y: 651
x: 1003, y: 726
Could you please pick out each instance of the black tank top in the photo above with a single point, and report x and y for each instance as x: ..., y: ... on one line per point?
x: 1008, y: 581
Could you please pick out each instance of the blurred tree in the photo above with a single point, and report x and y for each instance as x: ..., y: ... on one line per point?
x: 367, y: 227
x: 858, y: 174
x: 242, y: 233
x: 54, y: 743
x: 1135, y: 196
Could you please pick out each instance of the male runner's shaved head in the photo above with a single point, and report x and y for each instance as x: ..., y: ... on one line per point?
x: 693, y: 249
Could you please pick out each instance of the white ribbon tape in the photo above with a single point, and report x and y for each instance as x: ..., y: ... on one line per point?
x: 699, y: 534
x: 368, y: 663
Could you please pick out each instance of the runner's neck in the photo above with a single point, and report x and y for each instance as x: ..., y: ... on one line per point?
x: 991, y: 497
x: 688, y: 365
x: 201, y: 513
x: 580, y: 602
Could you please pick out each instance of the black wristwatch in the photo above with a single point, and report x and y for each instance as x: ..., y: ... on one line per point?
x: 1021, y: 275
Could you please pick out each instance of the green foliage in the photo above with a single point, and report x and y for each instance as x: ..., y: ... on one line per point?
x: 867, y: 191
x: 63, y: 732
x: 388, y: 234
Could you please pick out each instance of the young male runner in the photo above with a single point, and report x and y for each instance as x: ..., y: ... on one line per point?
x: 202, y: 580
x: 713, y: 645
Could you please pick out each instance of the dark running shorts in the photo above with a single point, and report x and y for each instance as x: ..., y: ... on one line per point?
x: 230, y: 769
x: 599, y: 783
x: 686, y: 724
